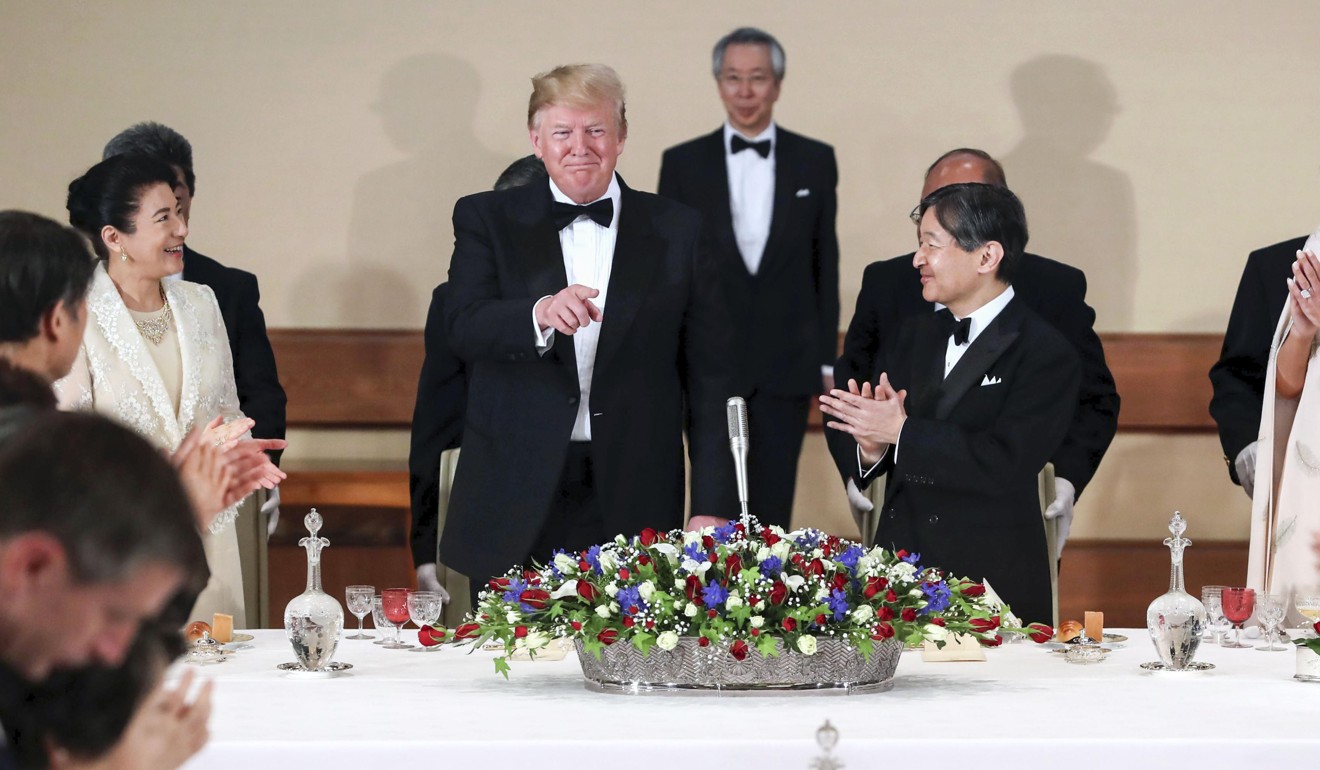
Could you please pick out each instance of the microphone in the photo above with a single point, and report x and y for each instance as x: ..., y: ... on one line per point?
x: 736, y: 410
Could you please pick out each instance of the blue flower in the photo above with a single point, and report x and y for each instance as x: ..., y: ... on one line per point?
x: 516, y: 587
x: 693, y: 551
x: 838, y: 602
x: 593, y: 558
x: 553, y: 567
x: 808, y: 539
x: 630, y: 597
x: 937, y: 597
x: 849, y: 558
x: 912, y: 558
x: 772, y: 566
x: 713, y: 595
x: 725, y: 533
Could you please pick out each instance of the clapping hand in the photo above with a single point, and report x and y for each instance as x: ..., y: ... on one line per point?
x: 569, y: 310
x: 1303, y: 291
x: 874, y: 417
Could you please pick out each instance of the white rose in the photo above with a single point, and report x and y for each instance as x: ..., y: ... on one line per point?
x: 757, y: 621
x: 512, y: 616
x: 691, y: 537
x: 902, y: 571
x: 646, y: 589
x: 667, y: 640
x: 603, y: 611
x: 763, y: 553
x: 781, y: 549
x: 863, y: 613
x: 759, y: 605
x: 935, y: 633
x: 817, y: 553
x: 535, y: 640
x: 690, y: 610
x: 734, y: 600
x: 612, y: 589
x: 565, y: 563
x: 614, y: 607
x: 822, y: 593
x: 607, y: 561
x: 916, y: 593
x: 807, y: 645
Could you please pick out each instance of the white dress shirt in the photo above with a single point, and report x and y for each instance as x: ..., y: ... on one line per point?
x: 953, y: 353
x: 588, y: 252
x: 751, y: 195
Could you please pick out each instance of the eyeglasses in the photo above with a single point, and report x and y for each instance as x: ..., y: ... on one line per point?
x: 915, y: 214
x: 736, y: 81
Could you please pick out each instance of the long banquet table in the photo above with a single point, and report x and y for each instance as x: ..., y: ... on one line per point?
x: 450, y: 709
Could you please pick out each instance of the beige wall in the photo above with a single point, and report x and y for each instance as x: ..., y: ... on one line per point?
x: 1154, y: 143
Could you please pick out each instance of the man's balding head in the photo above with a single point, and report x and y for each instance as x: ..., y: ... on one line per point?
x: 961, y: 166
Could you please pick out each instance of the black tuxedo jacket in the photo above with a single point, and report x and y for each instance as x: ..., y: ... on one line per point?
x: 962, y: 487
x: 663, y: 344
x: 891, y: 292
x: 260, y: 394
x: 437, y: 425
x: 787, y: 315
x: 1238, y: 377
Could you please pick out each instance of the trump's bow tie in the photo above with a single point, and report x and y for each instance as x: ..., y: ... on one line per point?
x: 738, y: 144
x: 564, y: 214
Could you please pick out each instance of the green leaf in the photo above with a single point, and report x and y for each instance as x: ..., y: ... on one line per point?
x: 767, y: 645
x: 502, y: 666
x: 643, y: 641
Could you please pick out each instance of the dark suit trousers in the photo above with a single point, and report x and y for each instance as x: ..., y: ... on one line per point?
x: 776, y: 426
x: 574, y: 523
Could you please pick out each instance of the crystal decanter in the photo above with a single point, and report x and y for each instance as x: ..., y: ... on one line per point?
x: 1176, y: 619
x: 313, y: 619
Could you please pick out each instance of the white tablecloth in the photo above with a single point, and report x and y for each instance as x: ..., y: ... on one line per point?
x: 450, y: 709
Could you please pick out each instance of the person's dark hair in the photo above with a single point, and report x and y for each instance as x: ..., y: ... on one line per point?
x: 110, y: 192
x: 42, y: 262
x: 975, y: 214
x: 522, y: 171
x: 749, y: 36
x: 997, y: 176
x: 20, y: 387
x: 106, y: 494
x: 158, y: 141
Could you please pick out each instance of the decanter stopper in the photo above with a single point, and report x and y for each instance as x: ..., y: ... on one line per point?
x: 1176, y: 544
x: 314, y: 544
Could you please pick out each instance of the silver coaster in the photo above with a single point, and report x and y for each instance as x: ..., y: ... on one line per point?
x: 1195, y: 665
x: 331, y: 668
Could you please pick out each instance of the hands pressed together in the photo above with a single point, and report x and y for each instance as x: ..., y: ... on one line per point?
x: 873, y: 416
x: 1304, y: 294
x: 219, y: 467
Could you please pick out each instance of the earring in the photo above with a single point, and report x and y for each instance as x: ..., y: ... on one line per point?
x: 123, y: 255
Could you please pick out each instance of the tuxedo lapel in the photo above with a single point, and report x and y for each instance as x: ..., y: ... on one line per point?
x: 536, y: 244
x: 927, y: 365
x: 637, y: 251
x: 717, y: 188
x: 984, y: 351
x: 785, y: 178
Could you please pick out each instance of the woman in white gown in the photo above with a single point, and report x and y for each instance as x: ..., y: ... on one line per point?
x: 155, y: 354
x: 1286, y: 506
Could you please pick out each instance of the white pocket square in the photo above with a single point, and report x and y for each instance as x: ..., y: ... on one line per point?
x: 988, y: 380
x: 804, y: 192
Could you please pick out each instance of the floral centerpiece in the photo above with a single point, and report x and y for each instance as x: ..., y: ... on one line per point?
x: 735, y: 592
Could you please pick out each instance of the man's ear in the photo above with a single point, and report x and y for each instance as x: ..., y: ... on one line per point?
x: 992, y: 253
x: 32, y: 562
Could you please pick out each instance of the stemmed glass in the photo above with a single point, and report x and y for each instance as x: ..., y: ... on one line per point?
x: 1214, y: 610
x: 358, y: 599
x: 1271, y: 608
x: 394, y: 605
x: 379, y: 620
x: 1307, y: 601
x: 1238, y: 604
x: 424, y: 609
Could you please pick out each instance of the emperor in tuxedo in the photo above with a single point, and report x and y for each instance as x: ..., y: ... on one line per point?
x: 767, y: 197
x: 965, y: 406
x: 590, y: 328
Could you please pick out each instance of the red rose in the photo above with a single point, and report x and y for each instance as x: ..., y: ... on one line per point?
x: 467, y: 631
x: 738, y: 649
x: 430, y: 636
x: 532, y: 577
x: 624, y: 574
x: 1316, y: 626
x: 769, y: 537
x: 711, y: 613
x: 1040, y: 633
x: 778, y: 593
x: 882, y: 631
x: 714, y: 557
x: 995, y: 642
x: 499, y: 585
x: 649, y: 536
x: 909, y: 615
x: 984, y: 625
x: 535, y: 598
x: 587, y: 591
x: 820, y: 620
x: 692, y: 587
x: 733, y: 565
x: 643, y: 560
x: 608, y: 636
x: 840, y: 580
x: 826, y: 550
x: 885, y: 612
x: 901, y: 554
x: 627, y: 622
x: 703, y: 641
x: 756, y: 632
x: 650, y: 624
x: 874, y: 585
x: 890, y: 596
x: 584, y: 565
x: 798, y: 559
x: 789, y: 624
x: 815, y: 568
x: 938, y: 622
x: 576, y: 626
x: 976, y: 589
x: 519, y: 632
x: 707, y: 542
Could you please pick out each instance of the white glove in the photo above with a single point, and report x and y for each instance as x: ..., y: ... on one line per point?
x: 857, y: 499
x: 428, y: 581
x: 1065, y: 497
x: 272, y: 510
x: 1245, y: 465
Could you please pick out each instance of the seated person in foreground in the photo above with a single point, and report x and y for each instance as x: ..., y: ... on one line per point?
x: 965, y: 405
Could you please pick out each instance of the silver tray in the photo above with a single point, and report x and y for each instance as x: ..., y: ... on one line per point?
x: 689, y: 669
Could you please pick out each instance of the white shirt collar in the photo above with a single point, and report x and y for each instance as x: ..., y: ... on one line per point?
x: 983, y: 315
x: 769, y: 133
x: 612, y: 192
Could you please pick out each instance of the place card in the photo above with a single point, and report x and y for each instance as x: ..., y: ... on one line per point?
x: 959, y: 647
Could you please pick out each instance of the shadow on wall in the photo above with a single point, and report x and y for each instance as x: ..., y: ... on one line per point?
x: 1079, y: 211
x: 400, y: 237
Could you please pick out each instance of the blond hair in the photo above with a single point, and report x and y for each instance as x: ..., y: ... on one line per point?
x: 579, y: 86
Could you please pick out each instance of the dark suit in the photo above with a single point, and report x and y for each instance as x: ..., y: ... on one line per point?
x: 662, y: 344
x: 437, y: 425
x: 891, y: 292
x: 1238, y: 377
x: 962, y: 490
x: 260, y: 394
x: 786, y: 316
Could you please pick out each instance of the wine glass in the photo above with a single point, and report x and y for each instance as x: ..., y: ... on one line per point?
x: 379, y: 620
x: 1271, y: 608
x: 424, y: 609
x: 358, y: 599
x: 394, y: 605
x: 1238, y: 604
x: 1214, y: 610
x: 1307, y: 601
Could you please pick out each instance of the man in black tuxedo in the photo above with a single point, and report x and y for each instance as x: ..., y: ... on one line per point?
x: 588, y: 324
x: 260, y: 394
x: 768, y: 199
x: 1238, y: 377
x: 891, y: 291
x: 969, y: 403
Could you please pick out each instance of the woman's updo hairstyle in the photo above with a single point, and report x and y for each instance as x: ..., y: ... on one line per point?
x: 110, y: 193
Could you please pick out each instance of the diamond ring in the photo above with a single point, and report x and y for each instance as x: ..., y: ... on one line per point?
x: 1306, y: 293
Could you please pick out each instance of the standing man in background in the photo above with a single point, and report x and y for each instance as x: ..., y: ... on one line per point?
x: 769, y: 201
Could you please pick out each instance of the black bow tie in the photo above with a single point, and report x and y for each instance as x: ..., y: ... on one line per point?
x: 961, y: 330
x: 564, y: 214
x: 739, y: 144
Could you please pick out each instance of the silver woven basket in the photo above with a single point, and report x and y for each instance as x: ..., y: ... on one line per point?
x: 835, y: 668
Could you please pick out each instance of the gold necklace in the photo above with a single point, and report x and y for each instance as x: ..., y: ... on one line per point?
x: 154, y: 328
